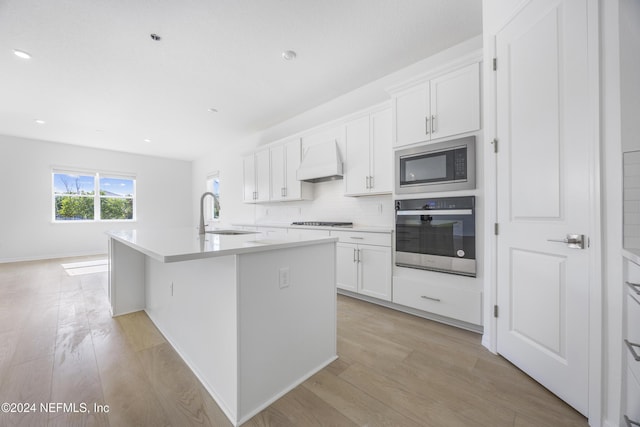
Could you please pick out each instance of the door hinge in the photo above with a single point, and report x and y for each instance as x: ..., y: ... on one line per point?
x: 495, y: 145
x: 495, y: 311
x: 495, y: 64
x: 495, y: 228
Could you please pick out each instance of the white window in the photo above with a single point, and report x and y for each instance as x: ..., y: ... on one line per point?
x: 212, y: 207
x: 91, y: 196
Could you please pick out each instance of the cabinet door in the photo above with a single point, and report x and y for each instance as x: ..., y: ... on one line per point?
x: 375, y: 271
x: 293, y: 187
x: 249, y: 178
x: 455, y: 102
x: 277, y: 155
x: 412, y: 112
x: 381, y: 153
x: 356, y: 174
x: 347, y: 267
x: 262, y: 175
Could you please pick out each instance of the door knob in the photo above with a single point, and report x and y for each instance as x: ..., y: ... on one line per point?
x: 574, y: 241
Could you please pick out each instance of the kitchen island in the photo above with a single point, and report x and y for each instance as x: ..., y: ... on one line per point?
x: 252, y: 317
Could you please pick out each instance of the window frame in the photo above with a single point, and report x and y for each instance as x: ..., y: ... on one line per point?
x: 210, y: 212
x: 97, y: 197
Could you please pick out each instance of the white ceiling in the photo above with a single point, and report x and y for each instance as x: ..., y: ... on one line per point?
x: 98, y: 79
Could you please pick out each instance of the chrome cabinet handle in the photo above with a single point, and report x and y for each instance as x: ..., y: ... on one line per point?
x: 634, y: 286
x: 370, y: 182
x: 358, y: 254
x: 573, y: 241
x: 630, y: 346
x: 426, y: 125
x: 354, y: 254
x: 630, y: 423
x: 356, y: 238
x: 433, y: 124
x: 430, y: 298
x: 366, y: 179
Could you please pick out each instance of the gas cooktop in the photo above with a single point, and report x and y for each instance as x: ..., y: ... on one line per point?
x: 324, y: 223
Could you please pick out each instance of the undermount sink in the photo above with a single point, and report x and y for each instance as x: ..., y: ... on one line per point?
x: 230, y: 232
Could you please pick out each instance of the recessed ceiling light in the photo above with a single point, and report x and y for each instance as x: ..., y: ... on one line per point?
x: 147, y: 140
x: 289, y: 55
x: 212, y: 110
x: 21, y: 54
x: 40, y: 122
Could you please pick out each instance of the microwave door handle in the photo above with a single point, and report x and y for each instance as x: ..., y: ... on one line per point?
x: 436, y: 213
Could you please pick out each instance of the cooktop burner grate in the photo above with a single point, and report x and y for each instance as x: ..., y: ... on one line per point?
x: 324, y: 223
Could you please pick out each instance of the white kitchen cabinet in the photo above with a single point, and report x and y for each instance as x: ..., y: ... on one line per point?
x: 368, y: 162
x: 362, y: 267
x: 256, y: 177
x: 443, y: 106
x: 285, y: 161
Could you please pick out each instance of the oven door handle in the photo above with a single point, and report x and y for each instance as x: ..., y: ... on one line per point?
x: 436, y: 212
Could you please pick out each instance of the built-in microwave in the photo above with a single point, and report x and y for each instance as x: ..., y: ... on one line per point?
x: 443, y: 166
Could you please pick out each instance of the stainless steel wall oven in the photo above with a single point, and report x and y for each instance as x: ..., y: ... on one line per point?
x: 437, y: 234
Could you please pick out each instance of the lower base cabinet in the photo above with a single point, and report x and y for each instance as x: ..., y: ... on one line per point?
x: 363, y: 268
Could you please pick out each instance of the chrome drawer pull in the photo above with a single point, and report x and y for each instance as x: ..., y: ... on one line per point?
x: 430, y: 298
x: 634, y: 286
x: 356, y: 238
x: 632, y: 350
x: 630, y: 423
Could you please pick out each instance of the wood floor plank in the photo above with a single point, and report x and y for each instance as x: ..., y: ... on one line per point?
x: 76, y: 379
x: 27, y: 382
x: 178, y: 389
x: 140, y: 331
x: 126, y: 388
x: 355, y: 404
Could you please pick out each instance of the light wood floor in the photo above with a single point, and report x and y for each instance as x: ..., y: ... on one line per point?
x: 58, y: 344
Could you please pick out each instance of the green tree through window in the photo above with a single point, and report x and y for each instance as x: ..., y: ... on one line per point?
x: 84, y: 197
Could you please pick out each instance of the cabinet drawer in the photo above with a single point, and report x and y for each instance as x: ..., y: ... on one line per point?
x: 378, y: 239
x: 632, y: 409
x: 439, y: 299
x: 633, y: 334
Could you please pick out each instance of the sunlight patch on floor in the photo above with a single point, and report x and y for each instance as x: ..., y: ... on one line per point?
x: 86, y: 267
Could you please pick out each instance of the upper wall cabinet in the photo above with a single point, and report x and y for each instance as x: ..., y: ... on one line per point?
x: 443, y: 106
x: 256, y: 177
x: 285, y: 160
x: 368, y: 163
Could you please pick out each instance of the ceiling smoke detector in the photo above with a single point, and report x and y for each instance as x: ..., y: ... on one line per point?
x: 289, y: 55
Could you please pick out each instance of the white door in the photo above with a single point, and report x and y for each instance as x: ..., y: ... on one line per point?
x: 263, y: 177
x: 277, y: 168
x: 455, y: 102
x: 346, y: 266
x: 356, y: 174
x: 292, y: 186
x: 381, y: 153
x: 412, y: 115
x: 375, y: 271
x: 249, y: 177
x: 546, y: 140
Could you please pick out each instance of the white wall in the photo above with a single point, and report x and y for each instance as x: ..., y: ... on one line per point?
x: 328, y: 204
x: 27, y: 231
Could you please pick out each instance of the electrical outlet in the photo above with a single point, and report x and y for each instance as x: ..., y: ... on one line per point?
x: 283, y: 277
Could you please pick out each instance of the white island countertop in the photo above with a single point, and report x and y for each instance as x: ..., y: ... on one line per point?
x: 185, y: 244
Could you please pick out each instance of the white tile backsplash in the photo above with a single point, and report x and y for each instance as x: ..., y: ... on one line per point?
x: 631, y: 196
x: 329, y: 204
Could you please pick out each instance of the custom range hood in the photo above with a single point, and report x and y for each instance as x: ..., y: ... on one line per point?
x: 321, y: 162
